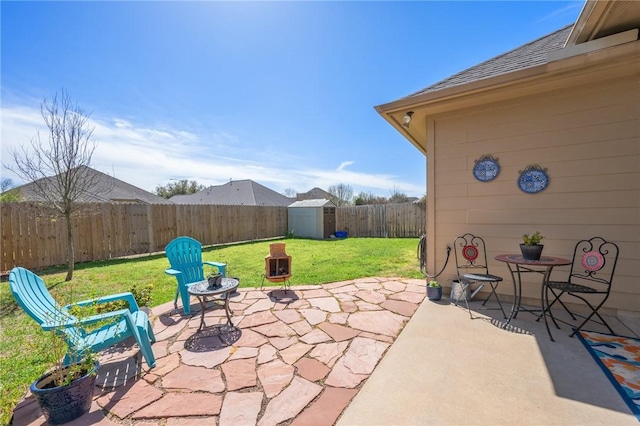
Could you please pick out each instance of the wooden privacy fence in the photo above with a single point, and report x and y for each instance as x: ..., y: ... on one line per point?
x: 32, y: 238
x: 383, y: 220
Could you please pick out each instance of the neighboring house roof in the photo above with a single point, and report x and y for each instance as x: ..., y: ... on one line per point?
x: 105, y: 189
x: 528, y: 55
x: 235, y: 193
x: 312, y: 203
x: 313, y: 194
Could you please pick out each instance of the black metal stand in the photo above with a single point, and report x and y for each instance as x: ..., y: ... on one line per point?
x: 286, y: 283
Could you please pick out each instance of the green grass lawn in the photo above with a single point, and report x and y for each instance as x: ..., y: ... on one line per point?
x: 23, y: 350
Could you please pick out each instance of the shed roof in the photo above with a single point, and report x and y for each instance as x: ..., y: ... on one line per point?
x: 312, y: 203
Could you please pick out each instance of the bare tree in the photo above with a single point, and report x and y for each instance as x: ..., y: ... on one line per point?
x: 290, y: 192
x: 364, y: 198
x: 181, y: 187
x: 7, y: 195
x: 59, y: 169
x: 397, y: 196
x: 341, y: 194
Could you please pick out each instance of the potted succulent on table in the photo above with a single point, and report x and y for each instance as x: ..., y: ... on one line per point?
x: 531, y: 248
x: 434, y: 290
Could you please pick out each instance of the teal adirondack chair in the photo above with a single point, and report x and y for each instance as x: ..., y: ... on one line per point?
x: 32, y: 295
x: 185, y: 257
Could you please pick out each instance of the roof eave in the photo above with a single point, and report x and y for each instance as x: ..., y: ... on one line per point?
x: 441, y: 100
x: 492, y: 89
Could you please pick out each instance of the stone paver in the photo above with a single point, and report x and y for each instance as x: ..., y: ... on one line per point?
x: 314, y: 316
x: 260, y: 305
x: 382, y: 322
x: 406, y: 309
x: 290, y: 402
x: 371, y: 296
x: 259, y: 318
x: 328, y: 304
x: 315, y: 336
x: 329, y: 353
x: 325, y: 411
x: 129, y: 399
x: 276, y: 329
x: 311, y: 369
x: 240, y: 409
x: 240, y: 373
x: 194, y: 379
x: 338, y: 332
x: 295, y: 352
x: 274, y: 376
x: 181, y: 405
x: 289, y: 316
x: 363, y: 355
x: 296, y: 358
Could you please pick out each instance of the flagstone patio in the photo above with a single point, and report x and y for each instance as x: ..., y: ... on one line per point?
x: 297, y: 357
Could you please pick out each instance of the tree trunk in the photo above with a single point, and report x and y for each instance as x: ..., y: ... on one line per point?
x: 70, y: 249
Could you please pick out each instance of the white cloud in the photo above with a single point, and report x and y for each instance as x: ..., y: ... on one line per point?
x: 572, y: 10
x: 344, y: 164
x: 147, y: 157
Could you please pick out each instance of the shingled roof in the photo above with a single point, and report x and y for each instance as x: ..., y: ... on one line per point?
x: 235, y: 193
x: 313, y: 194
x: 529, y: 55
x: 105, y: 189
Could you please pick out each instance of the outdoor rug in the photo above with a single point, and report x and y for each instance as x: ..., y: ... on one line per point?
x: 619, y: 358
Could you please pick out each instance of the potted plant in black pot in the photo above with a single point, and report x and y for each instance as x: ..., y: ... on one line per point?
x: 434, y: 290
x: 531, y: 248
x: 65, y: 391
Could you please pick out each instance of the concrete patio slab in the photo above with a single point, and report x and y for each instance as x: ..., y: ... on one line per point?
x: 448, y: 369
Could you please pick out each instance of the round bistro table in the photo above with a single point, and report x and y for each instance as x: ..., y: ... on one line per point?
x: 201, y: 290
x: 518, y: 265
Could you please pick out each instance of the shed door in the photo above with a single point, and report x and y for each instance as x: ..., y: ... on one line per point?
x: 329, y: 221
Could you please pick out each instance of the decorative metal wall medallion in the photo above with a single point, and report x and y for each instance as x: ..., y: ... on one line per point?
x: 486, y: 168
x: 533, y: 179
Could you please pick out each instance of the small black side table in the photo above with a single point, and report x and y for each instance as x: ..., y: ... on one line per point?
x: 202, y: 290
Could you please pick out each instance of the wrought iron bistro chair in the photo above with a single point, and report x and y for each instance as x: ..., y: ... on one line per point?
x: 593, y: 265
x: 32, y: 295
x: 185, y: 257
x: 472, y: 268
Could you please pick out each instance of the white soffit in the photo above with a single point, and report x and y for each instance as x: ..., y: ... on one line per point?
x: 602, y: 18
x: 590, y: 46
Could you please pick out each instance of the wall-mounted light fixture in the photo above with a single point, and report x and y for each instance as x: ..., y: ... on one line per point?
x: 406, y: 120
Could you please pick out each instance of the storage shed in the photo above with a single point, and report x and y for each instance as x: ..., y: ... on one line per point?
x: 312, y: 218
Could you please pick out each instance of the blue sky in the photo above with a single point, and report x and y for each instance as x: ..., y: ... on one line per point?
x: 282, y: 93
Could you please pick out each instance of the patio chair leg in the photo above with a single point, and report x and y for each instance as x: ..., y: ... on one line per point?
x: 463, y: 288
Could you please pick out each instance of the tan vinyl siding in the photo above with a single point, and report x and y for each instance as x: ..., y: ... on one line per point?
x: 586, y: 136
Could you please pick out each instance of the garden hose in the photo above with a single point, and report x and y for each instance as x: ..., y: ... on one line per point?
x: 422, y: 257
